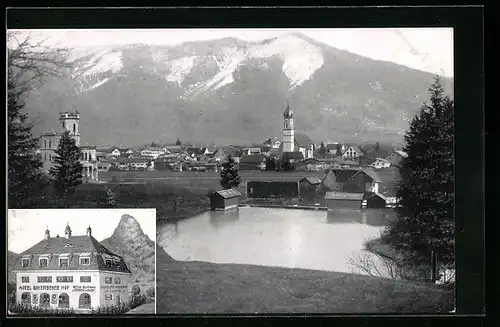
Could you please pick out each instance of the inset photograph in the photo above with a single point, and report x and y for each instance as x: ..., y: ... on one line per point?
x: 81, y: 261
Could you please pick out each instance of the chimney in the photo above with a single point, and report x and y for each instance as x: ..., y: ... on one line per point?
x: 89, y: 231
x: 67, y: 231
x: 47, y: 233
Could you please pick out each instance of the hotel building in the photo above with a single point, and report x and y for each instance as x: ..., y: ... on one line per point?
x: 71, y: 272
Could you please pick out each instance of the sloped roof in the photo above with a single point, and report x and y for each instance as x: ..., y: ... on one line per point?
x: 196, y: 151
x: 303, y: 140
x: 343, y: 196
x: 229, y: 193
x: 253, y: 158
x: 354, y: 147
x: 371, y: 173
x: 343, y: 175
x: 312, y: 179
x: 332, y: 146
x: 293, y: 155
x: 74, y: 246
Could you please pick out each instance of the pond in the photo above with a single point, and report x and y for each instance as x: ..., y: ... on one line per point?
x: 320, y: 240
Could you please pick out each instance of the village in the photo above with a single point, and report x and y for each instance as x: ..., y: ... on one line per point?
x: 292, y: 170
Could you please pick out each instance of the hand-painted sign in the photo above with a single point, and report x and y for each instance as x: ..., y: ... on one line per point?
x: 44, y: 288
x: 86, y: 288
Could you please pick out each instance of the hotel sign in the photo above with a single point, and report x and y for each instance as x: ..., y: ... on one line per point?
x: 76, y: 288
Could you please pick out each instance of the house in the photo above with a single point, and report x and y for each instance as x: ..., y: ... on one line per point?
x: 351, y: 180
x: 195, y: 153
x: 71, y: 272
x: 380, y: 163
x: 252, y: 151
x: 312, y: 164
x: 343, y: 200
x: 139, y: 163
x: 252, y: 162
x: 374, y: 201
x: 173, y: 149
x: 332, y: 148
x: 103, y: 166
x: 272, y: 142
x: 365, y: 161
x: 122, y: 164
x: 293, y: 157
x: 152, y: 152
x: 219, y: 156
x: 224, y: 200
x: 115, y: 152
x: 274, y: 188
x: 396, y: 157
x: 309, y: 187
x: 346, y: 164
x: 351, y: 152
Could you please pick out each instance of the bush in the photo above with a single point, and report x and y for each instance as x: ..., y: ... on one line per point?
x: 27, y: 310
x: 137, y: 298
x: 111, y: 309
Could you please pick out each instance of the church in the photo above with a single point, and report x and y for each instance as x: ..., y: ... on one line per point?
x: 292, y: 148
x: 71, y: 272
x: 50, y: 141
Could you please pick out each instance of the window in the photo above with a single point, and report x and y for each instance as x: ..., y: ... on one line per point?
x: 44, y: 279
x: 50, y: 144
x: 118, y: 280
x: 64, y: 279
x: 45, y: 155
x: 63, y: 262
x: 63, y: 301
x: 84, y: 301
x: 63, y: 124
x: 44, y: 300
x: 26, y: 298
x: 44, y: 143
x: 25, y: 262
x: 108, y: 296
x: 74, y: 128
x: 85, y: 279
x: 85, y: 261
x: 108, y: 263
x: 43, y: 262
x: 25, y: 279
x: 108, y: 280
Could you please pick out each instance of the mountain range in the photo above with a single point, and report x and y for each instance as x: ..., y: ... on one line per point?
x: 231, y: 91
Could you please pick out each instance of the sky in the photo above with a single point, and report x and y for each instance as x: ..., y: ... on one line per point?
x: 427, y: 49
x: 27, y: 227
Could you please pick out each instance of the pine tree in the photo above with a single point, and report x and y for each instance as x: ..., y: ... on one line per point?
x: 67, y: 171
x: 322, y: 149
x: 229, y: 174
x: 178, y: 142
x: 25, y: 177
x: 377, y: 147
x: 425, y: 218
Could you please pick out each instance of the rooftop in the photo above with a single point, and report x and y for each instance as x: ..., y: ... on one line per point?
x: 229, y: 193
x: 343, y: 196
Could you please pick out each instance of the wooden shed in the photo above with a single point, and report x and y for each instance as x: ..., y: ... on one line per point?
x: 343, y: 200
x: 224, y: 200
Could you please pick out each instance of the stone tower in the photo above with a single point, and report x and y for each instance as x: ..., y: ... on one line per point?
x: 288, y: 133
x: 70, y: 122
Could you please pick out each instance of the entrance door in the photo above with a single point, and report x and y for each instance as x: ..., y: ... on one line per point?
x: 117, y: 299
x: 84, y: 301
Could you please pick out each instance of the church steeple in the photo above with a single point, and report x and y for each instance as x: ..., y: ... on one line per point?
x: 288, y: 137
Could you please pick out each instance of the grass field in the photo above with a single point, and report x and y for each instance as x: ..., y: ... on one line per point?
x: 201, y: 287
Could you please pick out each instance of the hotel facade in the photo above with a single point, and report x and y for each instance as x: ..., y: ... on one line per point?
x: 71, y: 272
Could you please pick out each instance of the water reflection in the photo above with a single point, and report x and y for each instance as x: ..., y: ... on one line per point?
x: 273, y: 237
x: 221, y: 218
x: 372, y: 217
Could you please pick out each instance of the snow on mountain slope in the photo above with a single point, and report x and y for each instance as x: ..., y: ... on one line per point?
x: 179, y: 68
x: 301, y: 59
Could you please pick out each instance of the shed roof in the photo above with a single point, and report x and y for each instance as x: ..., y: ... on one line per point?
x: 343, y: 196
x: 312, y: 179
x: 229, y: 193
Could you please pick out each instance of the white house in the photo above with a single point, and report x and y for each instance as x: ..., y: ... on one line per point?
x: 71, y: 272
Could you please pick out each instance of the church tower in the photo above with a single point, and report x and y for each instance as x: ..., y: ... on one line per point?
x: 287, y: 139
x: 69, y: 122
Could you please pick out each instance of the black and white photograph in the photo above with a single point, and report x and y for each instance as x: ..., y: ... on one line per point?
x: 81, y: 261
x: 291, y: 170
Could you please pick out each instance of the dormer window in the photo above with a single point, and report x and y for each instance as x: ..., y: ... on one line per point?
x: 43, y: 262
x: 85, y: 259
x: 108, y: 263
x: 63, y: 260
x: 25, y: 262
